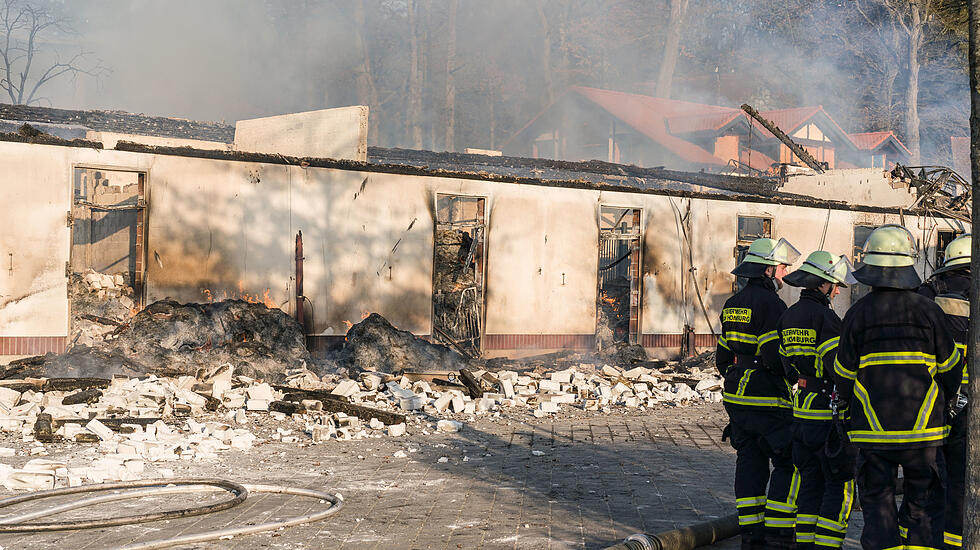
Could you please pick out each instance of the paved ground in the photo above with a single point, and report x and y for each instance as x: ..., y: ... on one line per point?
x: 599, y: 479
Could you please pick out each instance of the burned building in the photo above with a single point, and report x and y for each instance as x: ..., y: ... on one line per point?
x: 493, y: 255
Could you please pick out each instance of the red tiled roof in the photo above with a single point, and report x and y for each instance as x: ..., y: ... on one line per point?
x: 699, y: 122
x: 791, y: 120
x: 648, y: 115
x: 869, y: 141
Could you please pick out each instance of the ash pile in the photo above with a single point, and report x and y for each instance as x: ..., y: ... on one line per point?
x: 374, y: 344
x: 168, y: 338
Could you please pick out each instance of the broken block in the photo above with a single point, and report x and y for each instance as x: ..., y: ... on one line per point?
x: 411, y: 403
x: 548, y: 407
x: 450, y: 426
x: 99, y: 429
x: 26, y: 480
x: 396, y: 430
x: 458, y: 404
x: 549, y: 386
x: 257, y: 405
x: 346, y: 388
x: 709, y: 384
x: 371, y: 381
x: 507, y: 387
x: 443, y: 402
x: 261, y: 391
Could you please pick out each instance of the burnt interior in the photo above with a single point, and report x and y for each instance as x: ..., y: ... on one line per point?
x: 457, y: 275
x: 617, y: 304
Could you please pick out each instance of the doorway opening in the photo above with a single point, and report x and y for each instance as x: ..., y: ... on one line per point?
x: 618, y: 292
x: 458, y: 274
x: 108, y: 235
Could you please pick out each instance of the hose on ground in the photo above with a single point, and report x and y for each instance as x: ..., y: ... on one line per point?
x: 684, y: 538
x: 15, y: 524
x: 158, y: 487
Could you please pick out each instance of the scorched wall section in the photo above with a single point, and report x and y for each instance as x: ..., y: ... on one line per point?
x: 34, y: 248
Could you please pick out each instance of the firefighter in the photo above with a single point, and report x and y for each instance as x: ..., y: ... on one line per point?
x: 757, y: 399
x: 897, y: 364
x: 950, y: 288
x: 808, y: 334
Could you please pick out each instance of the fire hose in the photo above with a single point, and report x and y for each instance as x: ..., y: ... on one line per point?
x: 240, y: 492
x: 684, y: 538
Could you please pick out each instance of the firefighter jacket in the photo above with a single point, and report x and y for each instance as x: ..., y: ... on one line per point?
x: 808, y: 335
x: 897, y: 365
x: 748, y: 348
x: 951, y: 290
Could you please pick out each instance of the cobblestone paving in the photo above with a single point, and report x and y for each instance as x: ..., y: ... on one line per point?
x: 600, y: 478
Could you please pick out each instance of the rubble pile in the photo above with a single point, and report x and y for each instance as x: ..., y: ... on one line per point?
x: 171, y: 339
x: 377, y: 345
x: 100, y: 303
x: 543, y: 393
x: 140, y: 423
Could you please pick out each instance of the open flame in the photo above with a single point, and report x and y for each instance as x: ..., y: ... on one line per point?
x: 264, y: 299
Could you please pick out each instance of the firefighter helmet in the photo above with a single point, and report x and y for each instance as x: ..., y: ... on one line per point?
x: 957, y: 254
x: 822, y: 267
x: 889, y: 259
x: 763, y: 253
x: 890, y: 246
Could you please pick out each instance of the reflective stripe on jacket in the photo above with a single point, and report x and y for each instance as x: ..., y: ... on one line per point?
x: 951, y: 291
x: 809, y: 332
x: 897, y: 364
x: 748, y: 348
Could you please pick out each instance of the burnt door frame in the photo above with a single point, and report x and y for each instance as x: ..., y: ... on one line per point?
x: 481, y: 224
x: 636, y: 284
x: 139, y: 247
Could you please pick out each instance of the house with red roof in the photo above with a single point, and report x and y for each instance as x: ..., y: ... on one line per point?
x: 629, y: 128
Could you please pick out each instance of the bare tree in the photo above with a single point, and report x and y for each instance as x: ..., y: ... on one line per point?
x: 413, y: 124
x: 23, y: 73
x: 450, y: 78
x: 367, y: 90
x: 678, y: 11
x: 909, y: 18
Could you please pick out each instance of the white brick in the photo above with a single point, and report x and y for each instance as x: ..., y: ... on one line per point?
x: 346, y: 388
x: 263, y: 392
x: 396, y: 430
x: 100, y: 429
x: 442, y: 403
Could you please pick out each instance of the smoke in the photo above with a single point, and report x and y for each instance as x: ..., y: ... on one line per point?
x: 234, y: 59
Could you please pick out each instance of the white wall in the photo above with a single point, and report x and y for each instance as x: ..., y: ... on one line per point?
x: 223, y: 225
x: 34, y: 240
x: 339, y: 133
x: 858, y: 186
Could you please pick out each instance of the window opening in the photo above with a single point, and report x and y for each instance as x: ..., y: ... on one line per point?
x: 749, y: 229
x: 861, y: 234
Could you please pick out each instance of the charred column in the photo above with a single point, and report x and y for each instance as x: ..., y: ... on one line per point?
x: 800, y: 152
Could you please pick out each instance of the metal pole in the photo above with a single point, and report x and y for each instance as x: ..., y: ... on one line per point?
x: 300, y: 316
x: 971, y: 525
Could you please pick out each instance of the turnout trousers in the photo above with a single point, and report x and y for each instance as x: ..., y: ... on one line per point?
x: 824, y: 502
x: 877, y: 471
x: 762, y: 437
x: 954, y: 451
